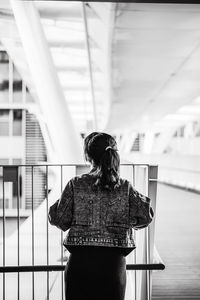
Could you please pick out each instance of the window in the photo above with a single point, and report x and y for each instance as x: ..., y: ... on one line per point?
x: 12, y: 190
x: 10, y: 91
x: 4, y: 85
x: 4, y: 122
x: 4, y: 161
x: 4, y: 77
x: 17, y: 86
x: 17, y: 122
x: 4, y: 57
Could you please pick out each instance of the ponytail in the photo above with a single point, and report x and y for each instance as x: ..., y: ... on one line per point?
x: 101, y: 150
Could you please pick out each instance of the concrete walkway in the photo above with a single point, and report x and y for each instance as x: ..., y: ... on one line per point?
x: 178, y: 243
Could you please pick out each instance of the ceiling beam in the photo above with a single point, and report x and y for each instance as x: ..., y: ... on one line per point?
x: 90, y: 65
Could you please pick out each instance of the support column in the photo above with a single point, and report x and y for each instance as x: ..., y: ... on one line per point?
x: 66, y: 140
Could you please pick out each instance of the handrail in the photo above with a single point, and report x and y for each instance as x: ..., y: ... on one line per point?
x: 143, y: 177
x: 49, y: 268
x: 70, y: 165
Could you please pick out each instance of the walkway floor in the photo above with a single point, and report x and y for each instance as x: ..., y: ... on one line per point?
x: 178, y: 243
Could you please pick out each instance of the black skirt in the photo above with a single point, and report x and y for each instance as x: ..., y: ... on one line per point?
x: 95, y: 273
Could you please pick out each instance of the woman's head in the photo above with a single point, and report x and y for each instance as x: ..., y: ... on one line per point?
x: 101, y: 150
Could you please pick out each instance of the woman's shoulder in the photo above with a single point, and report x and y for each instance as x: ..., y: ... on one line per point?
x: 83, y: 178
x: 88, y: 179
x: 127, y: 185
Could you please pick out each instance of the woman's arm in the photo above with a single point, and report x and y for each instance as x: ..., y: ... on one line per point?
x: 60, y: 213
x: 140, y: 213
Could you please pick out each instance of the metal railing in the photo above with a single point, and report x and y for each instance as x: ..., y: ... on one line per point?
x: 37, y: 247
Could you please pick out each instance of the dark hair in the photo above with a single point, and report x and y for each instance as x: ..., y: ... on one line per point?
x: 86, y: 141
x: 101, y: 150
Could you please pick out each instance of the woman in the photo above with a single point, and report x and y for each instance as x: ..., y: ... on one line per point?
x: 100, y: 209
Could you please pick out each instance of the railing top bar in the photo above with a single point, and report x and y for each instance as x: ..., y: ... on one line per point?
x: 47, y: 268
x: 70, y: 165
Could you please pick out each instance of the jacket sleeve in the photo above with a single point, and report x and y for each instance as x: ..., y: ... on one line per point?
x: 140, y: 211
x: 60, y: 213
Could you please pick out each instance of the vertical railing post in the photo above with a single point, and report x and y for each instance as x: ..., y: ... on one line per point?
x: 4, y: 240
x: 61, y: 234
x: 152, y: 193
x: 18, y: 225
x: 148, y: 274
x: 135, y: 252
x: 47, y: 224
x: 131, y: 292
x: 141, y: 184
x: 33, y: 240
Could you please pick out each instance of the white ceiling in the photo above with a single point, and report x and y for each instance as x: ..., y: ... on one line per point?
x: 156, y: 63
x: 145, y: 60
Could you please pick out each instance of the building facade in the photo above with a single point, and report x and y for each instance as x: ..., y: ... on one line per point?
x: 21, y: 140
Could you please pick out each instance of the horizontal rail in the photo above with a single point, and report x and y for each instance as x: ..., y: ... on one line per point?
x: 158, y: 266
x: 47, y: 268
x: 69, y: 165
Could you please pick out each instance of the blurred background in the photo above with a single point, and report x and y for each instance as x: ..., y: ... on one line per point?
x: 129, y: 69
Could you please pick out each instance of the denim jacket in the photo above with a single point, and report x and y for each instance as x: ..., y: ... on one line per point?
x: 97, y: 217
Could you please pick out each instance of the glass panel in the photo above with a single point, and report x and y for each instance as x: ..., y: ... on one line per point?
x: 17, y: 86
x: 4, y: 77
x: 17, y: 122
x: 4, y: 122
